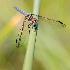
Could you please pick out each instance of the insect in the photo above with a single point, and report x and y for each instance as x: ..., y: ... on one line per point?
x: 30, y: 18
x: 34, y: 22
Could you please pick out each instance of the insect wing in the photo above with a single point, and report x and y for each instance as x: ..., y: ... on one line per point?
x: 49, y: 31
x: 51, y: 22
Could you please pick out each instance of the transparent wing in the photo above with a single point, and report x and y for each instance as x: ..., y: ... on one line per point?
x: 48, y: 26
x: 23, y: 33
x: 51, y: 22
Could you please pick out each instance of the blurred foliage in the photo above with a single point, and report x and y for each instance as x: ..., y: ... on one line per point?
x: 52, y: 50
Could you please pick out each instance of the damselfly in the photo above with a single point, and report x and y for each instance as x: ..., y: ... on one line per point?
x: 33, y: 23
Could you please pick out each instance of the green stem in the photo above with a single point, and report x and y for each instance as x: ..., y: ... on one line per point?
x: 31, y: 43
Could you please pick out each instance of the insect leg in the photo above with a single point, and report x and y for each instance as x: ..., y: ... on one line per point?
x: 29, y: 31
x: 18, y: 45
x: 29, y: 27
x: 16, y: 40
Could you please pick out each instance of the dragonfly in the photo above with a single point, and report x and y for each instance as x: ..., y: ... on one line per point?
x: 33, y: 23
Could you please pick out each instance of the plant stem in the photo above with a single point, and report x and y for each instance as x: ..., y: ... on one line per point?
x: 31, y: 43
